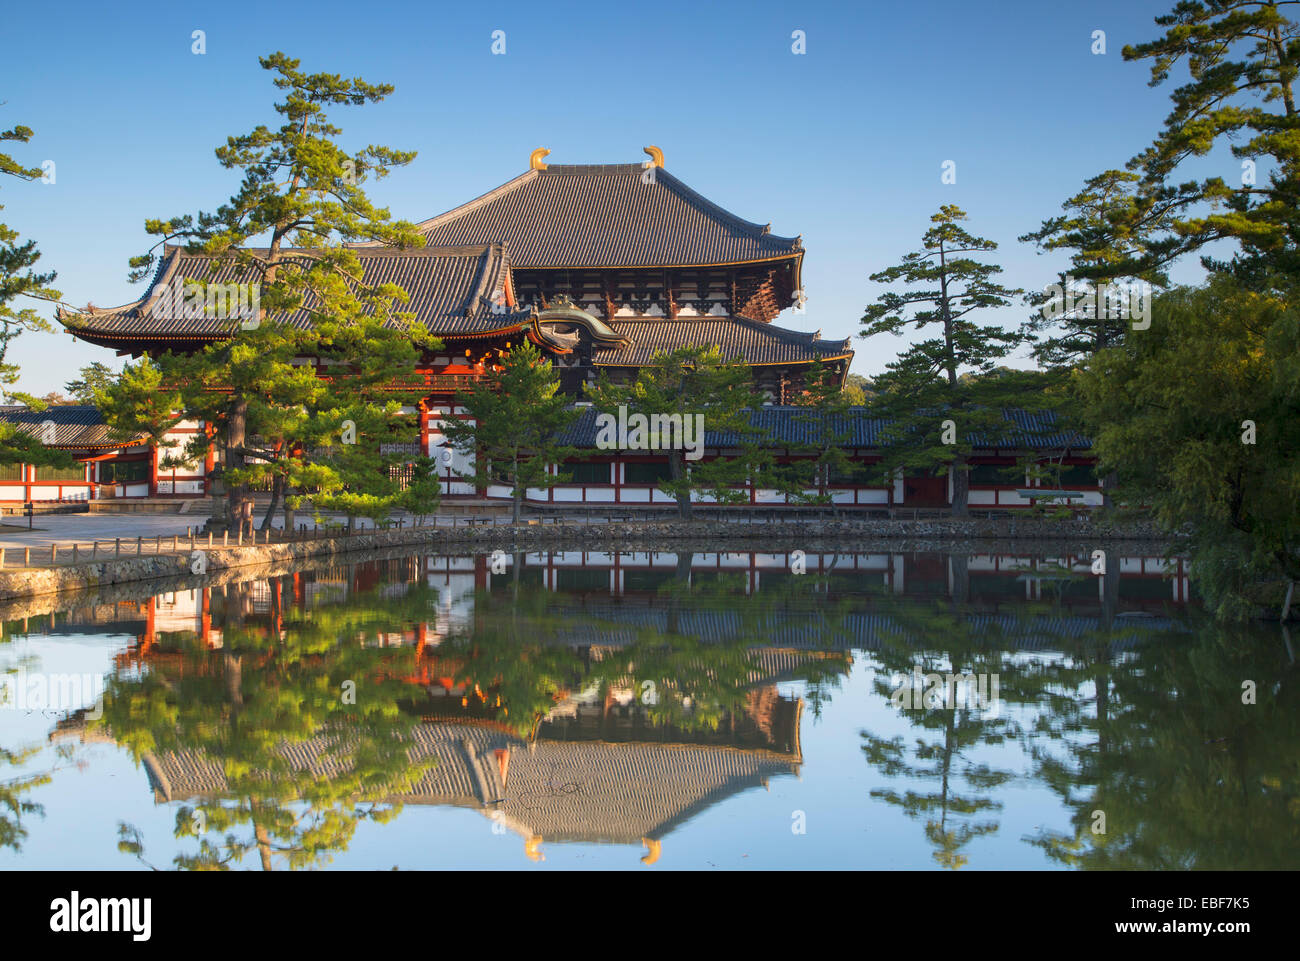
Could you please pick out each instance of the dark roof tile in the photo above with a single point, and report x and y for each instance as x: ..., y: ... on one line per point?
x: 737, y: 337
x: 788, y: 426
x: 76, y: 426
x: 449, y: 288
x: 610, y: 215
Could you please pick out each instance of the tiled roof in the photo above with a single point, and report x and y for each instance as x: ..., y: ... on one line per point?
x: 784, y: 426
x: 450, y: 290
x: 1040, y: 426
x: 737, y: 337
x: 611, y: 215
x: 76, y: 426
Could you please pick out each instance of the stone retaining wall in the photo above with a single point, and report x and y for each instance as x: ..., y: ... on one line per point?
x: 980, y: 536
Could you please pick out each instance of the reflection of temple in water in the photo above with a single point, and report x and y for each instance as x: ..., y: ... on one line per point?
x: 596, y: 767
x: 594, y: 770
x: 991, y: 584
x: 569, y: 783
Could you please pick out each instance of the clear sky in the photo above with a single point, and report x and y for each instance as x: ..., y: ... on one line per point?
x: 843, y: 144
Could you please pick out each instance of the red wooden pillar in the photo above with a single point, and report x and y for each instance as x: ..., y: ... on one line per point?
x: 424, y: 427
x: 153, y: 471
x: 209, y: 463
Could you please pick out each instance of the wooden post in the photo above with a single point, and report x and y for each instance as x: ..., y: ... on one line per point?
x: 27, y: 556
x: 209, y: 538
x: 2, y: 557
x: 139, y: 546
x: 117, y: 547
x: 74, y: 552
x: 54, y: 552
x: 175, y: 542
x: 225, y: 538
x: 157, y: 544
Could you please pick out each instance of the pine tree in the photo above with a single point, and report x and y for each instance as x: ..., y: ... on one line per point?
x: 827, y: 410
x: 687, y: 382
x: 1118, y: 231
x: 511, y: 424
x: 934, y: 411
x: 18, y: 279
x: 1242, y: 57
x: 95, y: 376
x: 301, y: 198
x: 1200, y: 415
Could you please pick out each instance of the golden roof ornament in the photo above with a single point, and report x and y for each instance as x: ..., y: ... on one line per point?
x: 535, y: 159
x: 656, y: 155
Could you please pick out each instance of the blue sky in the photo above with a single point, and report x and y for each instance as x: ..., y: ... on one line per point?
x: 843, y: 144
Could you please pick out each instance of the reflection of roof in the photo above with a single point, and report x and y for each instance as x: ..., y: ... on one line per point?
x: 782, y: 426
x: 816, y: 630
x: 450, y: 290
x: 754, y: 342
x: 76, y: 426
x: 611, y: 215
x: 558, y: 790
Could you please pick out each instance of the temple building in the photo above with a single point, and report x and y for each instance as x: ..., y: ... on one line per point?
x: 602, y: 267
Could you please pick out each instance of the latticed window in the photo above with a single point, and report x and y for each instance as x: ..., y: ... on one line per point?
x: 643, y: 472
x: 587, y: 473
x: 77, y: 473
x: 124, y: 472
x: 852, y: 472
x: 1078, y: 475
x: 11, y: 472
x: 995, y: 475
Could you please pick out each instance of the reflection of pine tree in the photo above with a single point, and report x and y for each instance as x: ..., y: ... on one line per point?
x: 956, y: 802
x: 12, y: 803
x: 525, y: 650
x: 1188, y: 775
x: 270, y: 688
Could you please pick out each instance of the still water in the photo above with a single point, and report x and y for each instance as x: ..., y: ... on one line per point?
x: 652, y: 710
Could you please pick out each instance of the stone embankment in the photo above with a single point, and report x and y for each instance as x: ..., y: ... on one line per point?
x: 993, y: 535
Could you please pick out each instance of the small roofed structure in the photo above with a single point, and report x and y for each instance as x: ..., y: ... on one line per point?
x: 80, y: 431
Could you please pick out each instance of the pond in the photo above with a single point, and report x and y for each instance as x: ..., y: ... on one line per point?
x: 672, y: 709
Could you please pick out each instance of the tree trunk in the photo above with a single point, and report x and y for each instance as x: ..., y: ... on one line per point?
x: 1109, y: 483
x: 277, y: 493
x: 677, y: 468
x: 960, y: 487
x: 239, y: 507
x: 516, y: 491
